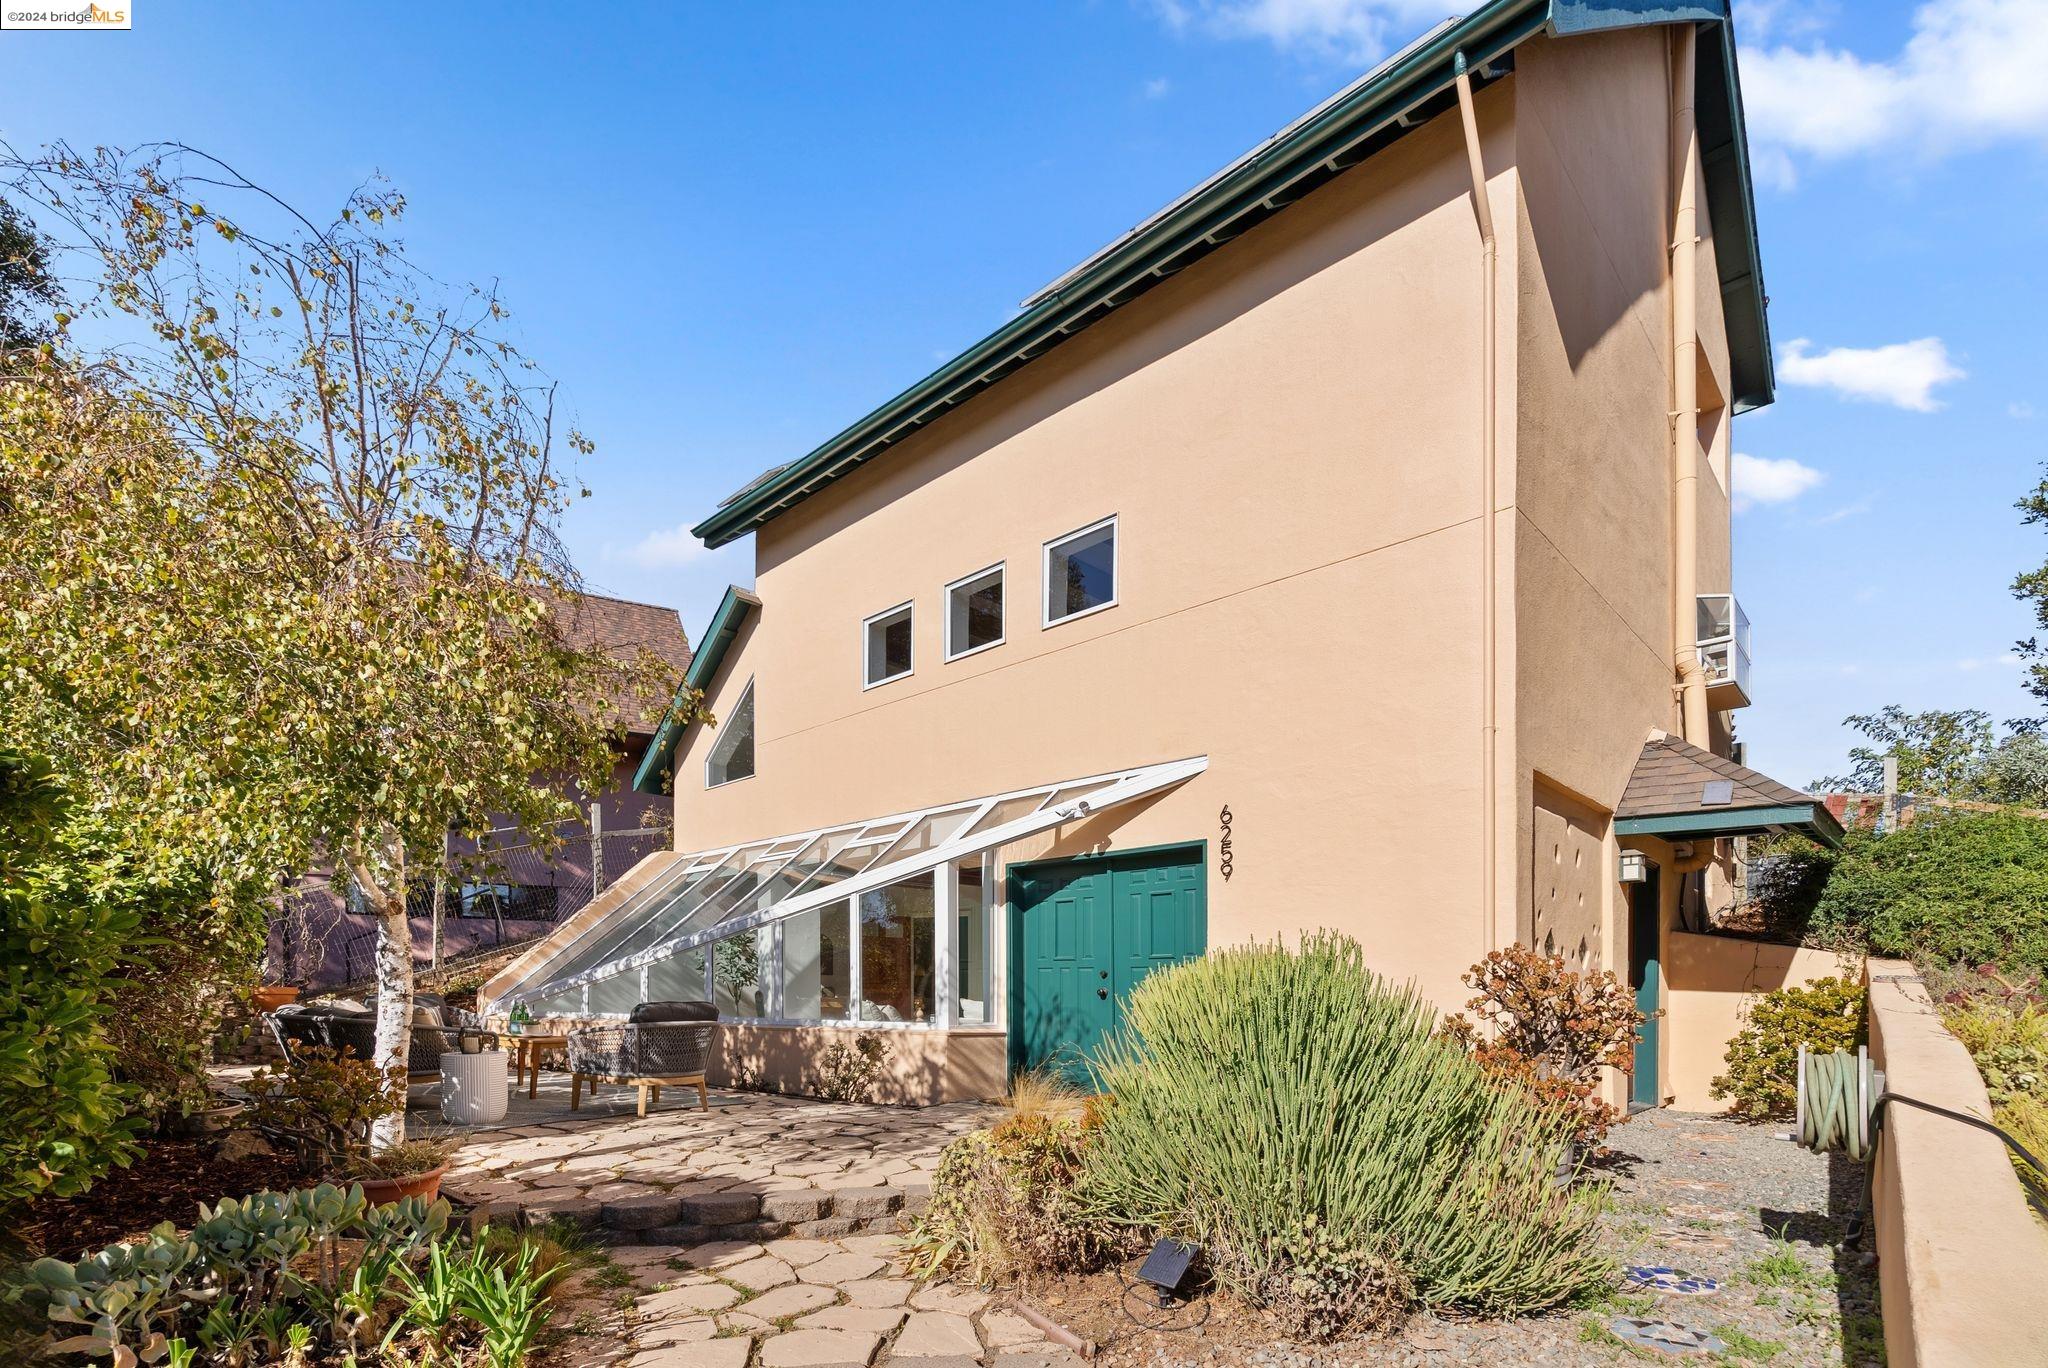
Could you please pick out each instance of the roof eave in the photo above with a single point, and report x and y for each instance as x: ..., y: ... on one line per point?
x: 725, y: 626
x: 1810, y: 819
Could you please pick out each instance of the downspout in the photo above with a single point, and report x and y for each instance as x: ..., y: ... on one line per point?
x: 1685, y: 390
x: 1489, y: 727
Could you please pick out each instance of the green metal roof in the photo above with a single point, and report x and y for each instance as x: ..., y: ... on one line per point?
x: 732, y: 614
x: 1403, y: 93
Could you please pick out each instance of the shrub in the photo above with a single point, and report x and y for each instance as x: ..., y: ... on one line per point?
x: 2008, y: 1043
x: 324, y: 1103
x: 1763, y: 1058
x: 1300, y: 1119
x: 1550, y: 1030
x: 1950, y: 887
x: 1003, y: 1199
x: 2025, y: 1118
x: 62, y: 929
x: 849, y: 1072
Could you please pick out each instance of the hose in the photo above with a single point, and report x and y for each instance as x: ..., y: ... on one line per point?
x: 1841, y: 1107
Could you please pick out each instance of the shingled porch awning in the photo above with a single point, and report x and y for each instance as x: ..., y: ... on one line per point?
x: 1681, y: 793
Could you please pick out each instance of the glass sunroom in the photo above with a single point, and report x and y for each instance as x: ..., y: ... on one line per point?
x: 887, y: 923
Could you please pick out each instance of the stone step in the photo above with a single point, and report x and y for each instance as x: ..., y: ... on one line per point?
x: 657, y: 1218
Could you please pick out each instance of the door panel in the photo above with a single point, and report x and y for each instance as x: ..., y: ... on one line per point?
x: 1083, y: 934
x: 1646, y: 976
x: 1064, y: 959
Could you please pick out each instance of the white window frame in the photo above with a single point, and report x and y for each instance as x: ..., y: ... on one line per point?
x: 867, y: 642
x: 1116, y: 571
x: 746, y: 696
x: 1001, y: 571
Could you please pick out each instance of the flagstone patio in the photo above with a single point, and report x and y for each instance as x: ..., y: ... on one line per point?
x: 754, y: 1167
x: 802, y: 1303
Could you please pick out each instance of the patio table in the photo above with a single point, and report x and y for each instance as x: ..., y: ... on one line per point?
x: 526, y: 1053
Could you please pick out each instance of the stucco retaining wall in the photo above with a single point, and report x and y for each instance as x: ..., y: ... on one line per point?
x: 1707, y: 982
x: 1962, y: 1260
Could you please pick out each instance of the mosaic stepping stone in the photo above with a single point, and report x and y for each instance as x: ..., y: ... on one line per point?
x: 1696, y: 1239
x: 1658, y: 1278
x: 1665, y: 1337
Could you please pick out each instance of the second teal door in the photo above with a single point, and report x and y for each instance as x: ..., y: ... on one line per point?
x: 1083, y: 934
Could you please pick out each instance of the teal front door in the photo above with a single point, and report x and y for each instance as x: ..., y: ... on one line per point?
x: 1083, y: 934
x: 1646, y: 976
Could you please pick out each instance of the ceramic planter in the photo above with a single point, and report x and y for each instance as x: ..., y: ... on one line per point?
x: 384, y: 1191
x: 272, y: 996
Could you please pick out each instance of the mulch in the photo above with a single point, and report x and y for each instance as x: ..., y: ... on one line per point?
x: 166, y: 1183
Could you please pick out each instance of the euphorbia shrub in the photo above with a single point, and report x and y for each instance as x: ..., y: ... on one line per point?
x: 1550, y: 1029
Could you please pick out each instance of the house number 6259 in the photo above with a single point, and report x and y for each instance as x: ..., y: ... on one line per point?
x: 1223, y: 856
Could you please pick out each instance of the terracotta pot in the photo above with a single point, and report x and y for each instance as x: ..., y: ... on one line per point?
x: 384, y: 1191
x: 272, y: 996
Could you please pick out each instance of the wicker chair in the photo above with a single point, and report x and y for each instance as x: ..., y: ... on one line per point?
x: 351, y: 1030
x: 663, y: 1044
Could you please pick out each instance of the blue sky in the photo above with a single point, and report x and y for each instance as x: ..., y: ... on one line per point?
x: 730, y: 230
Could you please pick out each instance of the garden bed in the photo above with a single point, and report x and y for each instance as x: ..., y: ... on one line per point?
x: 168, y: 1182
x: 1714, y: 1197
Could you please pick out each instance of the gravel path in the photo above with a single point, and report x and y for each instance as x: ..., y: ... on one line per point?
x: 1701, y: 1194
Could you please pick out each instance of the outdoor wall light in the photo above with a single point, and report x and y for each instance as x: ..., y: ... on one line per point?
x: 1635, y: 866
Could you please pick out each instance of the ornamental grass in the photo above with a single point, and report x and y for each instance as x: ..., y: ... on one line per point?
x: 1298, y: 1117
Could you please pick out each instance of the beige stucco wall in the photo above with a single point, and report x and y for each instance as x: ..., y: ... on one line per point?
x: 921, y: 1067
x: 1289, y: 434
x: 1708, y: 981
x: 1961, y: 1259
x: 1592, y: 589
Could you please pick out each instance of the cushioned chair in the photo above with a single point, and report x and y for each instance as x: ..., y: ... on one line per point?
x: 662, y: 1044
x: 352, y: 1029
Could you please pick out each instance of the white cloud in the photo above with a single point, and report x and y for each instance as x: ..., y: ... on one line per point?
x: 1969, y: 76
x: 2019, y: 408
x: 665, y: 550
x: 1349, y: 31
x: 1903, y: 374
x: 1971, y: 664
x: 1157, y: 88
x: 1771, y: 480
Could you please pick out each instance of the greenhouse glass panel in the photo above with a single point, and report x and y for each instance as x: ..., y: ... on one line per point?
x: 882, y: 862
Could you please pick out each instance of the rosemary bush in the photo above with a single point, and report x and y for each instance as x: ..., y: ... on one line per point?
x: 1271, y: 1103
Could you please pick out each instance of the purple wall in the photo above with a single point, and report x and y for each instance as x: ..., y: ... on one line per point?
x: 321, y: 943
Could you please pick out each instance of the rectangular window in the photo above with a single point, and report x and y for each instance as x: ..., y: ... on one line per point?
x: 896, y: 952
x: 885, y: 646
x: 732, y: 746
x: 739, y: 986
x: 817, y: 965
x: 1080, y: 572
x: 974, y: 613
x: 970, y: 952
x: 680, y: 979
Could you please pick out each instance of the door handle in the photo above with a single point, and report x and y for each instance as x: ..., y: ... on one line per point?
x: 1102, y: 993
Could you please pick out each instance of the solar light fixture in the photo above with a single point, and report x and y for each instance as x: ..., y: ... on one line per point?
x: 1166, y: 1269
x: 1635, y: 866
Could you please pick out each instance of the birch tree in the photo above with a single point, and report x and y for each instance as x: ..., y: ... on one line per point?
x: 367, y: 653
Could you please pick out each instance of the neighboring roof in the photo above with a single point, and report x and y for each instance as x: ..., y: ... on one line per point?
x: 1680, y: 790
x: 1366, y: 117
x: 733, y: 611
x: 622, y: 628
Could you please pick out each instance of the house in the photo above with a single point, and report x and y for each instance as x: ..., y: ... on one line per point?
x: 504, y: 888
x: 1345, y: 546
